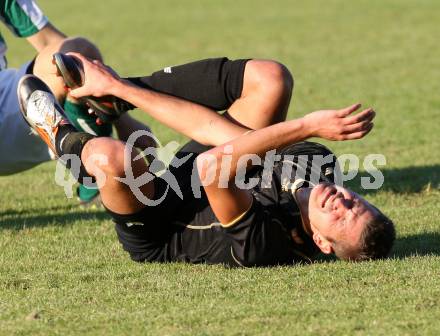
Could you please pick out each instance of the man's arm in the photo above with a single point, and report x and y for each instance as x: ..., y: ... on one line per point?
x: 48, y: 35
x: 229, y: 202
x: 206, y: 126
x: 195, y: 121
x: 25, y: 19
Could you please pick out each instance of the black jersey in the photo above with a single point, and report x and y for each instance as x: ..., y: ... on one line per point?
x: 269, y: 233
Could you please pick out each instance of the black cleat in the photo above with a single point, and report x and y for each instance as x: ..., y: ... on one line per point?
x: 107, y: 108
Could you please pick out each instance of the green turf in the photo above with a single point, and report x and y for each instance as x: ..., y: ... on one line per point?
x: 62, y: 270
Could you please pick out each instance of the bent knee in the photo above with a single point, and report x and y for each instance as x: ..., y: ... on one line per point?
x: 45, y: 70
x: 71, y: 44
x: 104, y: 154
x: 270, y: 77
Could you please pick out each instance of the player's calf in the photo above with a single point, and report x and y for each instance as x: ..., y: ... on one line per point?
x: 43, y: 113
x: 45, y: 70
x: 76, y: 111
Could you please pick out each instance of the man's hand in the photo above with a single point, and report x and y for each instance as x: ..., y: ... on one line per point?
x: 99, y: 80
x: 340, y: 124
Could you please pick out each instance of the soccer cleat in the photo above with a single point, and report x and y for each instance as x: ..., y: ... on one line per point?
x: 107, y: 108
x: 40, y: 109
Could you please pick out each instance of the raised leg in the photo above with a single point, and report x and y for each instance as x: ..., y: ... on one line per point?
x: 256, y: 93
x: 265, y: 98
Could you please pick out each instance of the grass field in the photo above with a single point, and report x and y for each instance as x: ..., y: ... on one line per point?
x: 62, y: 270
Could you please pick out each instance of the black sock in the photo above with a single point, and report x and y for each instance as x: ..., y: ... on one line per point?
x: 64, y: 131
x: 69, y: 141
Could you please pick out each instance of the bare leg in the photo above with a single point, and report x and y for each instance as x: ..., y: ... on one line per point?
x: 45, y: 70
x: 265, y: 98
x: 116, y: 195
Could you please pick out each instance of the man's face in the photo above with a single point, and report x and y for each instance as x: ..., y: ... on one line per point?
x: 337, y: 215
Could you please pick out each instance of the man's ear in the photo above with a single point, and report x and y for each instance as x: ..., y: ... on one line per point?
x: 324, y: 245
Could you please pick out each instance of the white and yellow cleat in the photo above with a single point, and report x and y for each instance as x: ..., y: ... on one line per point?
x: 40, y: 109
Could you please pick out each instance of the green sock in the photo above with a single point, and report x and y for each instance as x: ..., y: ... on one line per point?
x: 85, y: 194
x: 83, y: 121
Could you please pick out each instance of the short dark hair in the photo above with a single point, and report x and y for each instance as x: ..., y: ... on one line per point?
x: 375, y: 242
x: 377, y: 238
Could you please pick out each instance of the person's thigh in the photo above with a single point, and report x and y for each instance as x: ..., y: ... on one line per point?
x: 19, y: 148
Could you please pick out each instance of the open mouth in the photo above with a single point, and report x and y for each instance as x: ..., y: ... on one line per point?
x: 329, y: 191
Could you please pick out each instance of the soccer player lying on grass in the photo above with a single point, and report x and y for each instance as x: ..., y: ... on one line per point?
x: 288, y: 221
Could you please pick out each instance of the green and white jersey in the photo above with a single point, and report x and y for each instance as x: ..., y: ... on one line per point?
x: 23, y: 17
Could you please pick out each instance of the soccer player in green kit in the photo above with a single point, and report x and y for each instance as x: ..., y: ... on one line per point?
x: 19, y: 149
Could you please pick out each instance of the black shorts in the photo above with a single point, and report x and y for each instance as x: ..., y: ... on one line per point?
x: 145, y: 234
x: 215, y: 83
